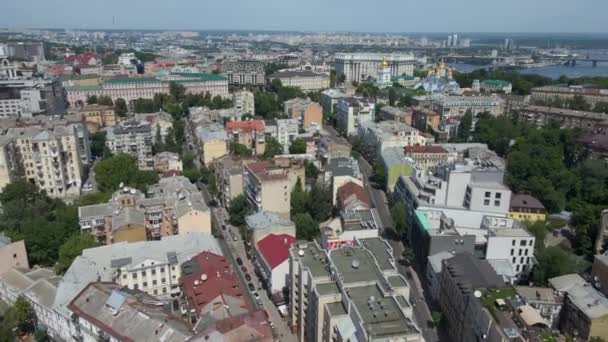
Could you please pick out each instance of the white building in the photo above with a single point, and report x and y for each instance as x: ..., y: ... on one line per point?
x: 272, y: 260
x: 305, y: 80
x: 329, y: 100
x: 284, y: 131
x: 352, y: 112
x: 244, y: 101
x: 127, y: 58
x: 349, y: 226
x: 359, y: 66
x: 508, y: 240
x: 376, y: 137
x: 134, y: 138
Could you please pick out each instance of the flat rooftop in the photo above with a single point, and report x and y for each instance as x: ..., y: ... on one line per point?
x: 381, y: 251
x: 336, y: 309
x: 328, y: 288
x: 312, y: 257
x: 354, y: 265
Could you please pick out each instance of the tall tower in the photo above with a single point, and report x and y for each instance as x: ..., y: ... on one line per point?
x: 384, y: 74
x: 455, y: 40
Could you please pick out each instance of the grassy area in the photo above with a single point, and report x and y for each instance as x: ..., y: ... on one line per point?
x: 555, y: 223
x: 490, y: 297
x: 547, y: 337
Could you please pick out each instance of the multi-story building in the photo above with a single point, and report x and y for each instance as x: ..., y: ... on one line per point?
x: 13, y: 254
x: 175, y: 206
x: 264, y: 223
x: 349, y: 293
x: 268, y: 186
x: 349, y: 226
x: 284, y: 131
x: 229, y: 178
x: 305, y: 80
x: 549, y: 93
x: 457, y: 106
x: 396, y: 165
x: 359, y: 66
x: 540, y: 116
x: 585, y: 312
x: 340, y: 171
x: 545, y: 300
x: 30, y: 51
x: 159, y: 121
x: 168, y: 162
x: 496, y: 86
x: 50, y: 157
x: 244, y: 101
x: 525, y: 207
x: 134, y: 138
x: 352, y: 196
x: 509, y: 240
x: 376, y: 137
x: 329, y: 100
x: 308, y: 113
x: 133, y: 88
x: 211, y: 141
x: 425, y: 119
x: 352, y: 112
x: 599, y: 271
x: 251, y: 133
x: 271, y: 255
x: 332, y: 146
x: 395, y: 114
x: 96, y: 116
x: 244, y: 72
x: 427, y: 157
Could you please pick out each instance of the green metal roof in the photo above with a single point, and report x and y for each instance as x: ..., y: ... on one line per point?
x: 497, y: 83
x: 201, y: 76
x: 84, y: 88
x: 403, y: 77
x: 422, y: 220
x: 133, y: 80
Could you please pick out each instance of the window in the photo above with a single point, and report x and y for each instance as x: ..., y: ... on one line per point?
x: 164, y: 290
x: 486, y: 202
x: 497, y: 203
x: 145, y: 284
x: 531, y: 242
x: 522, y: 242
x: 521, y: 260
x: 143, y: 273
x: 488, y: 194
x: 135, y: 287
x: 526, y: 252
x: 520, y: 252
x: 162, y: 270
x: 153, y: 272
x: 124, y: 276
x: 134, y: 275
x: 512, y: 252
x: 514, y: 259
x: 512, y: 242
x: 164, y: 280
x: 517, y: 268
x: 155, y: 292
x: 153, y: 282
x: 497, y: 195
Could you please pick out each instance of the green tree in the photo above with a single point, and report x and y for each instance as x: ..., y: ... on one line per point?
x: 98, y: 143
x: 392, y: 96
x: 408, y: 255
x: 299, y: 199
x: 273, y: 148
x: 22, y: 314
x: 306, y: 226
x: 122, y: 168
x: 238, y: 210
x: 71, y: 249
x: 41, y: 335
x: 120, y: 107
x: 144, y: 106
x: 276, y: 85
x: 92, y: 99
x: 298, y: 146
x: 399, y: 216
x: 239, y: 149
x: 367, y: 89
x: 177, y: 91
x: 553, y: 262
x: 311, y: 170
x: 578, y: 102
x: 464, y: 126
x: 380, y: 176
x: 320, y: 203
x: 105, y: 101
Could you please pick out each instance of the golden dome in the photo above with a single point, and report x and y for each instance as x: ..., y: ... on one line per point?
x: 384, y: 62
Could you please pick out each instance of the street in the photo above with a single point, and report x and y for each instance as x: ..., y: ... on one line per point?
x: 422, y: 314
x: 234, y: 249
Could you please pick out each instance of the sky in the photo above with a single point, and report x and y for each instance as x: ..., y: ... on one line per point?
x: 576, y: 16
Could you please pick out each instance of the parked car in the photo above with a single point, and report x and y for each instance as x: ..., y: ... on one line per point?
x: 244, y: 269
x: 247, y: 277
x: 223, y: 227
x: 239, y: 261
x: 251, y: 287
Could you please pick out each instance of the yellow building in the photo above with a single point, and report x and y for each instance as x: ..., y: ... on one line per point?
x: 527, y: 208
x: 212, y: 150
x: 97, y: 116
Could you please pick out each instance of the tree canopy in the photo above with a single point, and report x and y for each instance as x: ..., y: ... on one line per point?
x: 71, y: 249
x: 273, y: 148
x: 238, y: 210
x: 298, y: 146
x: 120, y: 107
x: 122, y: 168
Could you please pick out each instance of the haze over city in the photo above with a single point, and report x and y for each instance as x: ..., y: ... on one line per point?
x: 312, y: 15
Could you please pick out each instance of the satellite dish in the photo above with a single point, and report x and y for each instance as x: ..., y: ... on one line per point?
x: 301, y: 252
x: 203, y: 276
x: 477, y: 294
x: 355, y: 264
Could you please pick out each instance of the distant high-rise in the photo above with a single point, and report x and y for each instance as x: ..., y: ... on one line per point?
x: 449, y: 40
x: 509, y: 44
x: 455, y: 40
x: 465, y: 42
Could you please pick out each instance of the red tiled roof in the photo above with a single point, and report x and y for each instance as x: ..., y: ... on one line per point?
x: 81, y: 59
x: 258, y: 166
x: 424, y: 149
x: 275, y: 248
x: 220, y: 280
x: 350, y: 189
x: 252, y: 125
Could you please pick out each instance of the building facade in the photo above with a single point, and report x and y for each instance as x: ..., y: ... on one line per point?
x: 305, y: 80
x: 244, y: 101
x: 352, y: 112
x: 244, y: 72
x: 359, y: 66
x: 134, y: 138
x: 308, y: 113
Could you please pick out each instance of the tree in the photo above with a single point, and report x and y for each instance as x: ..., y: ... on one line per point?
x: 399, y: 216
x: 105, y: 101
x: 319, y: 203
x: 380, y: 176
x: 98, y: 143
x: 342, y: 78
x: 276, y: 85
x: 120, y: 107
x: 464, y: 127
x: 145, y: 106
x: 298, y: 200
x: 408, y: 255
x: 41, y: 335
x: 298, y: 146
x: 238, y: 210
x: 92, y: 99
x: 23, y: 315
x: 367, y: 89
x: 239, y: 149
x: 311, y: 170
x: 177, y: 91
x: 71, y: 249
x: 273, y: 148
x: 122, y: 168
x: 553, y: 262
x: 392, y: 96
x: 306, y: 227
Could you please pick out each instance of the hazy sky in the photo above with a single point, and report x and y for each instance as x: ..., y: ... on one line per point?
x: 315, y: 15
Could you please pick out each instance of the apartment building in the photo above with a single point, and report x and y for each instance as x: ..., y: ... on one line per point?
x: 166, y: 162
x: 340, y: 171
x: 376, y: 137
x: 359, y: 66
x: 331, y: 146
x: 229, y: 178
x: 329, y: 100
x: 133, y: 88
x: 304, y: 79
x: 348, y: 226
x: 585, y: 312
x: 352, y: 196
x: 308, y: 113
x: 267, y: 186
x: 457, y: 106
x: 134, y: 138
x: 250, y: 133
x: 427, y: 157
x: 525, y: 207
x: 271, y: 259
x: 548, y: 93
x: 395, y: 114
x: 396, y: 165
x: 349, y: 293
x: 541, y: 116
x: 211, y: 140
x: 96, y: 116
x: 244, y: 72
x: 175, y: 206
x: 496, y: 86
x: 244, y: 101
x: 284, y: 131
x: 425, y: 119
x: 352, y: 112
x: 159, y: 121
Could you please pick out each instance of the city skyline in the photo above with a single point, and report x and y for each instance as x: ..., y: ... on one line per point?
x: 518, y: 16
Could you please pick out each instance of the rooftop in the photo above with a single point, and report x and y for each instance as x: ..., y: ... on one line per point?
x: 566, y: 282
x: 275, y: 248
x: 424, y: 149
x: 245, y: 126
x: 472, y: 273
x: 266, y: 219
x: 525, y: 201
x: 589, y: 300
x: 311, y: 256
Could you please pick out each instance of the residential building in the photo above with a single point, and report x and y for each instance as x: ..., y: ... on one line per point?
x: 212, y: 142
x: 133, y: 88
x: 271, y: 255
x: 265, y: 223
x: 350, y: 225
x: 349, y: 293
x: 360, y: 66
x: 585, y: 312
x: 254, y: 326
x: 352, y: 196
x: 267, y: 186
x: 165, y: 162
x: 105, y: 311
x: 549, y: 93
x: 395, y: 114
x: 244, y: 101
x: 134, y: 138
x: 332, y: 146
x: 376, y: 137
x: 13, y: 254
x: 525, y: 207
x: 229, y: 178
x: 175, y: 206
x: 250, y: 133
x: 427, y: 157
x: 496, y: 86
x: 284, y: 131
x: 81, y: 59
x: 303, y: 79
x: 97, y: 116
x: 541, y: 116
x: 396, y: 165
x: 457, y: 106
x: 464, y: 282
x: 160, y: 122
x: 340, y: 171
x: 30, y: 51
x: 244, y: 72
x: 352, y: 112
x: 509, y: 240
x: 79, y: 80
x: 599, y: 271
x: 545, y: 300
x: 9, y: 168
x: 308, y: 113
x: 433, y: 272
x: 424, y: 119
x: 329, y: 100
